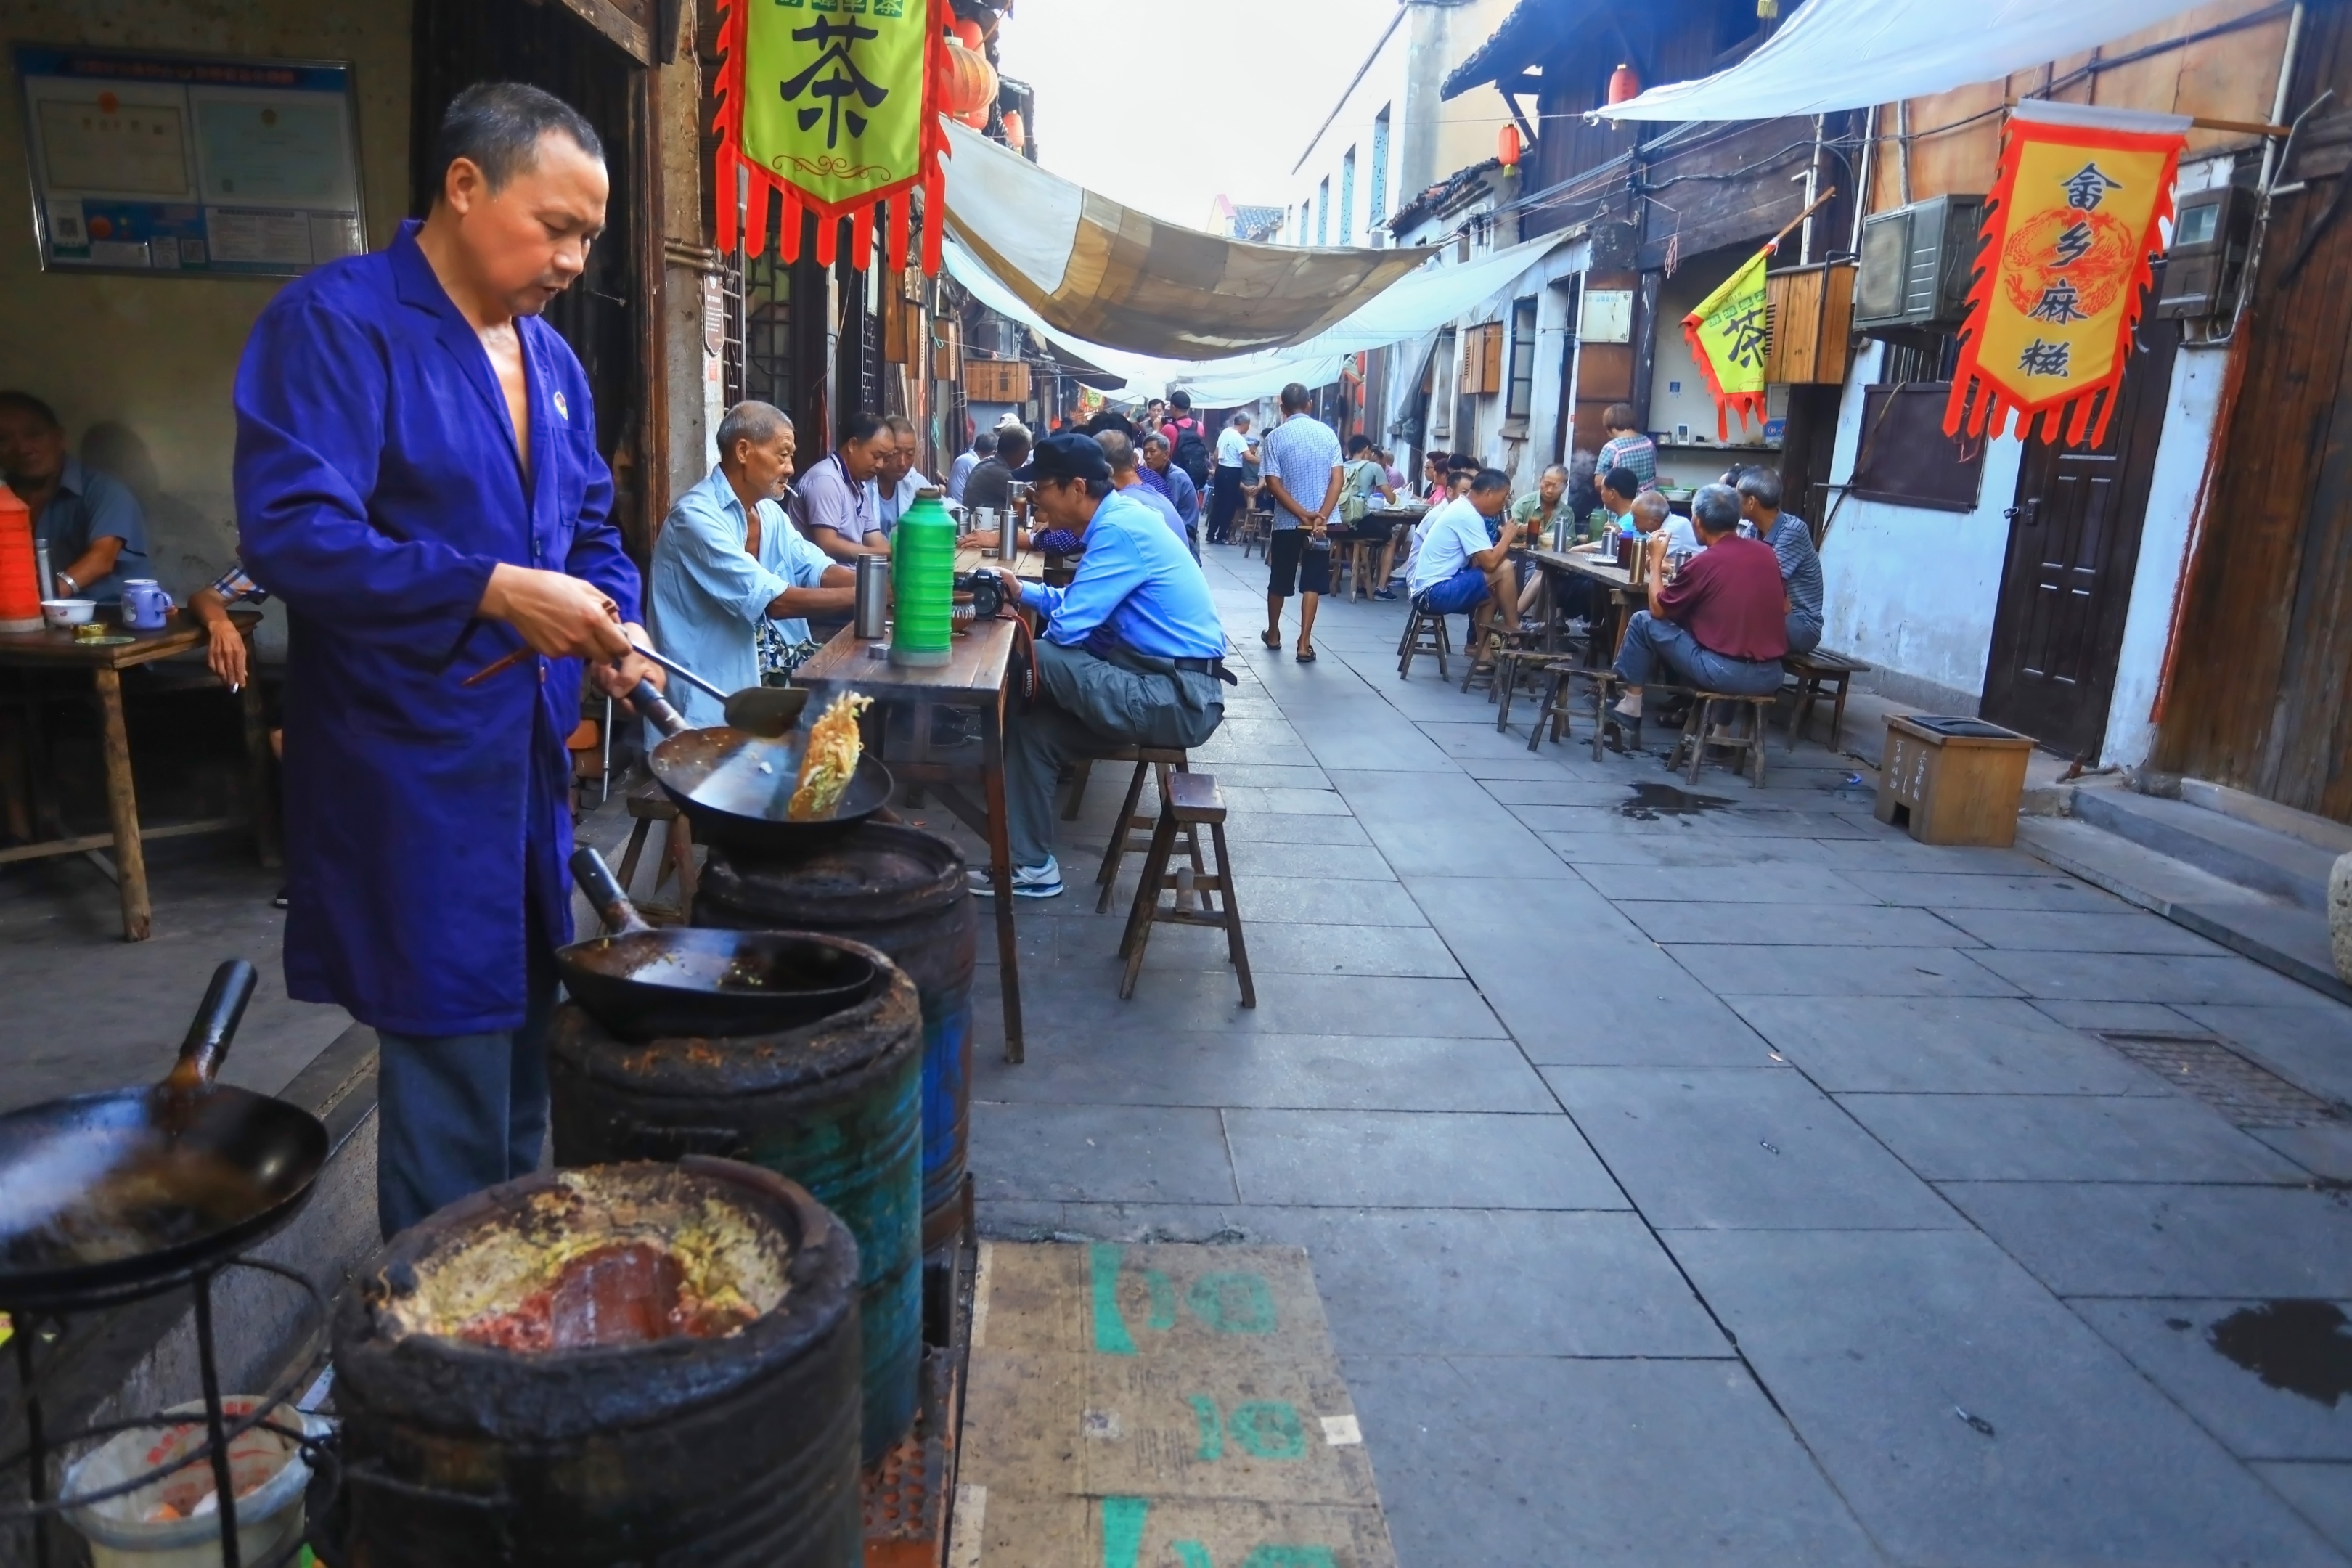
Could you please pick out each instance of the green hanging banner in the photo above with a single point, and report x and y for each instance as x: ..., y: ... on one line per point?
x: 832, y: 107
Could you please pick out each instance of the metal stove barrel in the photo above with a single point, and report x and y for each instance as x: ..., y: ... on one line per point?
x: 835, y: 1106
x: 906, y: 892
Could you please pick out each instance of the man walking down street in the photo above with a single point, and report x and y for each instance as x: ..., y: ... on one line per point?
x: 1233, y: 444
x: 1129, y: 654
x: 1721, y: 625
x: 1301, y: 456
x: 1792, y: 543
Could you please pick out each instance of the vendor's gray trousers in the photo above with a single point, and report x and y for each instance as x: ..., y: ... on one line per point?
x: 1658, y: 649
x: 1087, y: 705
x: 457, y: 1113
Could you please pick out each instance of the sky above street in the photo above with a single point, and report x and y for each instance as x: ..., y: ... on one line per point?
x: 1162, y: 107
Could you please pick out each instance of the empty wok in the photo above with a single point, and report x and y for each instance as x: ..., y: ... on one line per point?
x: 103, y: 1192
x: 734, y: 787
x: 686, y: 982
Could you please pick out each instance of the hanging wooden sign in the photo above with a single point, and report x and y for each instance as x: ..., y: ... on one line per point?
x: 2068, y: 229
x: 831, y: 107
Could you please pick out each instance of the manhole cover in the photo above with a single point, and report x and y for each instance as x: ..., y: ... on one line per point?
x: 2205, y: 1066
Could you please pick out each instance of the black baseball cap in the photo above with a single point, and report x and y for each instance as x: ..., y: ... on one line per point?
x: 1064, y: 457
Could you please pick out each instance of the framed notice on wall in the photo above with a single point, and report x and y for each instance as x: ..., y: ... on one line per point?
x: 194, y: 165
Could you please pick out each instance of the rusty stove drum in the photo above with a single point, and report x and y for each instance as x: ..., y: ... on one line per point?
x: 834, y: 1106
x: 626, y: 1365
x: 907, y: 892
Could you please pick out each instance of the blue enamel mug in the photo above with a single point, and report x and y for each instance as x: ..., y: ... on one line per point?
x: 145, y: 605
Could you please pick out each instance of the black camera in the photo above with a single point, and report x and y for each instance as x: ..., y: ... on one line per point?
x: 987, y: 590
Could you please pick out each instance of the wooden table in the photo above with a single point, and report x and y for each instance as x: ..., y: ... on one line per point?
x: 1370, y: 535
x: 1624, y: 594
x: 974, y: 680
x: 55, y: 650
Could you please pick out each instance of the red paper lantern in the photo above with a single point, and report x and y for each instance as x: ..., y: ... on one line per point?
x: 1015, y: 133
x: 1623, y: 84
x: 967, y: 83
x: 969, y: 35
x: 1507, y: 146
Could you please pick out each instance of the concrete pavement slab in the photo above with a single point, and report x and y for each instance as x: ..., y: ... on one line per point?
x: 1959, y: 1044
x: 1859, y: 925
x: 1334, y: 862
x: 1275, y: 947
x: 1291, y: 827
x: 2100, y: 1239
x: 2321, y: 1493
x: 2310, y: 1045
x: 1969, y: 1419
x: 2275, y: 1398
x: 2126, y: 1018
x: 1958, y: 890
x: 1810, y: 971
x: 2134, y: 931
x: 1777, y: 883
x: 2065, y: 1137
x: 1681, y: 1463
x: 1416, y: 1160
x: 1145, y: 1066
x: 2149, y: 977
x: 1317, y: 900
x: 1438, y: 825
x: 1614, y: 849
x: 1741, y: 1148
x: 1139, y: 1153
x: 1370, y: 1004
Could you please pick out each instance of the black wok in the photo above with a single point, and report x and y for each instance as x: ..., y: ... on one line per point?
x: 734, y: 785
x: 100, y: 1192
x: 686, y: 982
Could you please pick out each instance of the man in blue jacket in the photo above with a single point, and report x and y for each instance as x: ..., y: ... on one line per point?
x: 418, y: 480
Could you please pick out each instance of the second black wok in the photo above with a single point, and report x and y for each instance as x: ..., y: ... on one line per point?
x: 687, y: 983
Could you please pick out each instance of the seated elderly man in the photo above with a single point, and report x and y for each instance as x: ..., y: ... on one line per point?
x: 1792, y: 543
x: 1652, y: 515
x: 1456, y: 567
x: 732, y: 579
x: 1127, y: 478
x: 1158, y: 457
x: 1720, y: 624
x: 842, y: 512
x: 987, y: 485
x: 94, y: 527
x: 896, y: 481
x: 1129, y: 654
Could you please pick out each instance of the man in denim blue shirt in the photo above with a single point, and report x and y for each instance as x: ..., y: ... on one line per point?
x: 91, y: 522
x: 1130, y: 654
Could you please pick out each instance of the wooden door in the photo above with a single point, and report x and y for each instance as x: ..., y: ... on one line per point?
x: 2074, y: 540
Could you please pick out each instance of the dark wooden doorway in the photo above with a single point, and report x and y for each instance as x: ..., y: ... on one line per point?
x: 2074, y: 542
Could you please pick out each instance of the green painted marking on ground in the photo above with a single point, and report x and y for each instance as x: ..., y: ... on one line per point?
x: 1213, y: 1429
x: 1211, y: 1297
x: 1291, y: 1557
x: 1122, y: 1528
x: 1163, y: 1300
x: 1111, y: 1337
x: 1192, y: 1554
x: 1270, y: 1428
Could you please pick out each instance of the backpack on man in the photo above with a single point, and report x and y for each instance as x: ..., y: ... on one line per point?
x: 1191, y: 452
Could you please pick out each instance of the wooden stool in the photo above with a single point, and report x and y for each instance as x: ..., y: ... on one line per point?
x: 1700, y: 731
x: 1424, y: 633
x: 1168, y: 762
x: 1605, y: 683
x: 1813, y: 671
x: 1499, y: 640
x: 1192, y: 802
x: 649, y: 805
x: 1364, y: 558
x: 1546, y: 669
x: 1251, y: 528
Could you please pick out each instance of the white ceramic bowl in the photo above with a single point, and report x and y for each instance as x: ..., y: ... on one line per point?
x: 67, y: 612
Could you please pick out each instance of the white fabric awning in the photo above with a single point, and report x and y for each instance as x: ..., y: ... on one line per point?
x: 1420, y: 303
x: 1850, y: 54
x: 1114, y: 274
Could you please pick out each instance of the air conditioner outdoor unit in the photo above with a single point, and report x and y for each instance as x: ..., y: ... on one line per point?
x: 1915, y: 263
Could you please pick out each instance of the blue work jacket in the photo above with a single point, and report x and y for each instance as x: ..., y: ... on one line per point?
x: 377, y: 485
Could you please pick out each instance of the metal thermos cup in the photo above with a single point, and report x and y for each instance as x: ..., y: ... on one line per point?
x: 873, y: 596
x: 1008, y: 539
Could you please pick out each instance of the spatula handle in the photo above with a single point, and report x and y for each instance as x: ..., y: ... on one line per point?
x: 215, y: 1024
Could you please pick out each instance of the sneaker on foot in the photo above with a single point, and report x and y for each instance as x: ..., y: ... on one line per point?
x: 1384, y: 593
x: 1028, y: 881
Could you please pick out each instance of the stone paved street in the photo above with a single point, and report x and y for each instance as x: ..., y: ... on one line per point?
x: 1749, y: 1186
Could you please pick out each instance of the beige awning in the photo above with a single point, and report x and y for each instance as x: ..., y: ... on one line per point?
x: 1111, y: 275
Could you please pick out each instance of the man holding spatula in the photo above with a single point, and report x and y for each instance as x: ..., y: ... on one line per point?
x: 417, y: 478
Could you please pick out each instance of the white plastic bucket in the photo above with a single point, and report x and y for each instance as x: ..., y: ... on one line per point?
x: 267, y: 1470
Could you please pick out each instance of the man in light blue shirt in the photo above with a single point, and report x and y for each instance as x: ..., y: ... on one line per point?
x: 94, y: 527
x: 1301, y: 455
x: 983, y: 447
x: 1131, y: 653
x: 728, y: 566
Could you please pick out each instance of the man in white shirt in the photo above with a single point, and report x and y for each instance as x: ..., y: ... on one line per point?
x: 1235, y: 447
x: 1301, y: 458
x: 840, y: 517
x: 1455, y: 569
x: 983, y: 447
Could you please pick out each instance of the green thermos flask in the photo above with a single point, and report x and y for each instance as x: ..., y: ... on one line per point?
x: 922, y: 582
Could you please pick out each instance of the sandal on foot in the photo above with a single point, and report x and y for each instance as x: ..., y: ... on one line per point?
x: 1306, y: 656
x: 1270, y: 639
